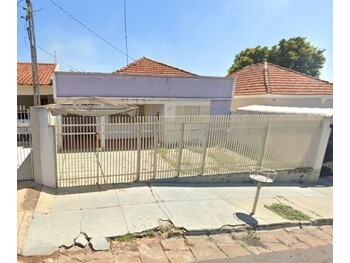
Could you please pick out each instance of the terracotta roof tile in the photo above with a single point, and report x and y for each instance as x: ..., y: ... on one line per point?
x: 278, y: 80
x: 24, y: 73
x: 146, y: 66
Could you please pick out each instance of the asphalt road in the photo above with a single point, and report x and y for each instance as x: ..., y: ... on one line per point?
x: 321, y: 254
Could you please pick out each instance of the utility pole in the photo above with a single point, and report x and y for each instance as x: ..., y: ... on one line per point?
x: 30, y: 28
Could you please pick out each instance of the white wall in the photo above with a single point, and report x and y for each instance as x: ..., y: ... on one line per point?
x: 166, y: 107
x: 153, y: 109
x: 288, y: 101
x: 170, y: 107
x: 44, y: 151
x: 28, y: 90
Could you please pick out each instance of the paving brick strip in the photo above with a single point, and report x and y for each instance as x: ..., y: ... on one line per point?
x: 176, y: 246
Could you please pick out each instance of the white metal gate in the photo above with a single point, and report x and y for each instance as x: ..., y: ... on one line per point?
x: 24, y: 145
x: 118, y: 149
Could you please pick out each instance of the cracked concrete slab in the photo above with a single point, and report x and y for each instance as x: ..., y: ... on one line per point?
x: 81, y: 240
x: 142, y: 217
x: 105, y: 222
x: 38, y: 248
x: 99, y: 243
x: 49, y: 231
x: 191, y: 215
x: 118, y: 209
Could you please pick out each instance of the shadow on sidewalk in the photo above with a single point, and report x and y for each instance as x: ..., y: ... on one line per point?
x: 248, y: 219
x: 326, y: 181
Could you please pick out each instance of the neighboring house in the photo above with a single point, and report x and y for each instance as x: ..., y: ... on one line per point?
x: 156, y: 88
x: 146, y: 66
x: 272, y: 85
x: 25, y: 83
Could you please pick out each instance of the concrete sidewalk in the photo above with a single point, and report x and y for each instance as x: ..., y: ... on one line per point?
x: 96, y: 213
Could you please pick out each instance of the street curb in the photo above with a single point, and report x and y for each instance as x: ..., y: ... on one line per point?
x: 230, y: 229
x: 242, y: 228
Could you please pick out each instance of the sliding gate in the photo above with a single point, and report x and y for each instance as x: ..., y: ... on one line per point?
x: 105, y: 150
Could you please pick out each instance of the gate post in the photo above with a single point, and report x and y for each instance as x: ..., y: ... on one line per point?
x: 44, y: 148
x: 181, y: 146
x: 138, y: 154
x: 205, y: 146
x: 321, y: 149
x: 263, y: 145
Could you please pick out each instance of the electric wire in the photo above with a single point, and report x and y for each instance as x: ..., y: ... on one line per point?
x: 90, y: 30
x: 25, y: 42
x: 71, y: 67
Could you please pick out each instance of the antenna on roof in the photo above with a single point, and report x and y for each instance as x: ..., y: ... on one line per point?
x: 126, y: 35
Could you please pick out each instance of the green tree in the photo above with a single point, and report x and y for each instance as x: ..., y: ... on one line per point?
x: 295, y: 53
x: 249, y: 56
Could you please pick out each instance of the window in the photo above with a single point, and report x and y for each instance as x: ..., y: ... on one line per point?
x: 191, y: 110
x: 117, y: 118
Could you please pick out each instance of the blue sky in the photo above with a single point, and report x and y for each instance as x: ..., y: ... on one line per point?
x: 201, y: 36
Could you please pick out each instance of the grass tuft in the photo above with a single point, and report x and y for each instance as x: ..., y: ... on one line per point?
x: 253, y: 235
x: 150, y: 233
x: 287, y: 212
x: 126, y: 238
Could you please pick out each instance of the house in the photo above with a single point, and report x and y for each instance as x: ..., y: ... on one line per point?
x: 25, y: 83
x: 273, y: 85
x: 146, y: 66
x: 156, y: 88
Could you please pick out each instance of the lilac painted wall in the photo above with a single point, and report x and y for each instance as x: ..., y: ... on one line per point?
x: 220, y: 107
x: 71, y: 84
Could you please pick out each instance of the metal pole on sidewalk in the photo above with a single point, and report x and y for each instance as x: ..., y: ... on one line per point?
x: 256, y: 198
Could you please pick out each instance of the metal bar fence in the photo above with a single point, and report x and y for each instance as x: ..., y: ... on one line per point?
x: 24, y: 144
x: 119, y: 149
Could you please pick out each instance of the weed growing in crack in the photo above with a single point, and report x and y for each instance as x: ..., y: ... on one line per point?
x: 287, y: 212
x: 244, y: 246
x: 150, y: 233
x: 253, y: 235
x: 126, y: 238
x: 168, y: 228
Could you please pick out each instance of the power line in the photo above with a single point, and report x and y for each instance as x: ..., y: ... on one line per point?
x: 42, y: 49
x: 110, y: 44
x: 57, y: 58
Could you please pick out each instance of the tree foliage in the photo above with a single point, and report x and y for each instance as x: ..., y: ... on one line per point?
x: 249, y: 56
x: 295, y: 53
